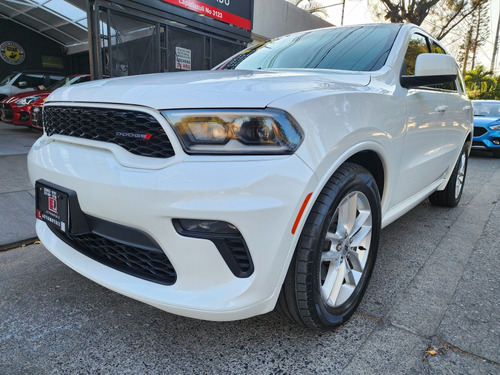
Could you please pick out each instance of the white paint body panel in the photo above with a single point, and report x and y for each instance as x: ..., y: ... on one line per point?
x: 341, y: 114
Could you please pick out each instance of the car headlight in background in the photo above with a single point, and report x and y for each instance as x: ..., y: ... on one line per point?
x: 241, y: 132
x: 27, y: 100
x: 495, y: 127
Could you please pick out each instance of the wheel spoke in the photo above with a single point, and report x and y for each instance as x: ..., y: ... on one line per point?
x: 334, y: 237
x: 360, y: 236
x: 355, y: 261
x: 345, y: 293
x: 349, y: 276
x: 347, y: 212
x: 362, y: 218
x: 333, y: 282
x: 330, y: 256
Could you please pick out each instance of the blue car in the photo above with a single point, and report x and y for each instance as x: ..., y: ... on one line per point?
x: 487, y: 126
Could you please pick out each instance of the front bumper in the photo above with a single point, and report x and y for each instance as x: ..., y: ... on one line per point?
x: 261, y: 196
x: 6, y: 112
x: 488, y: 140
x: 15, y: 115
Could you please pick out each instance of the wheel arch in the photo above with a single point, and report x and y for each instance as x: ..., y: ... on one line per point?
x: 469, y: 139
x: 468, y: 143
x: 373, y: 163
x: 369, y: 155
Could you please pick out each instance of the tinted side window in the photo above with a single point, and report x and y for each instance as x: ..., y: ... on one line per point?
x: 436, y: 48
x: 32, y: 80
x: 7, y: 79
x: 420, y: 44
x: 53, y: 79
x: 417, y: 45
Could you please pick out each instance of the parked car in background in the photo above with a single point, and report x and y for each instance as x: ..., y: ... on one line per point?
x: 265, y: 182
x: 487, y: 126
x: 19, y: 82
x: 16, y: 109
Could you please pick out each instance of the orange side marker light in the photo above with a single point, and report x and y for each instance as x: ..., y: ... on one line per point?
x: 301, y: 212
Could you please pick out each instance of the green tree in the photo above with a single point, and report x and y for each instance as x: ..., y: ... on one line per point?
x: 481, y: 84
x: 443, y: 15
x: 476, y: 36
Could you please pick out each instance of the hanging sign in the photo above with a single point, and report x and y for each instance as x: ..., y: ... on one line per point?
x: 234, y: 12
x: 12, y: 53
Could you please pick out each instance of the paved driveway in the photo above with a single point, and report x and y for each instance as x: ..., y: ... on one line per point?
x: 16, y: 192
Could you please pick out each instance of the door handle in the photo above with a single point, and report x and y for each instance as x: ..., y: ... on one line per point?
x: 467, y: 108
x: 441, y: 108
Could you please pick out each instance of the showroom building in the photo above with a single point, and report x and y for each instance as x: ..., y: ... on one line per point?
x: 129, y: 37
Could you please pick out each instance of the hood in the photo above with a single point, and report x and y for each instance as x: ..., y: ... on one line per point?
x: 207, y: 89
x: 15, y: 98
x: 485, y: 120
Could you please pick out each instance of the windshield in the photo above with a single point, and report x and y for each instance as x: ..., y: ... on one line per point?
x: 487, y: 108
x: 7, y: 79
x: 357, y: 48
x: 68, y: 81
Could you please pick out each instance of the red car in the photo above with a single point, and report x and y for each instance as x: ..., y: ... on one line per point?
x: 16, y: 108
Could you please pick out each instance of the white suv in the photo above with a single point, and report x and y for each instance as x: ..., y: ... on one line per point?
x: 265, y: 182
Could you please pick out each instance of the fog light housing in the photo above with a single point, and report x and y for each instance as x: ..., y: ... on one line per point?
x: 207, y: 226
x: 496, y: 141
x: 226, y: 238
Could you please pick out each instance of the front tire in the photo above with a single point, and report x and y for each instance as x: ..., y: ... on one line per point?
x: 336, y: 252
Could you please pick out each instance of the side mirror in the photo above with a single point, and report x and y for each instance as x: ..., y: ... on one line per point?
x: 22, y: 84
x: 431, y: 69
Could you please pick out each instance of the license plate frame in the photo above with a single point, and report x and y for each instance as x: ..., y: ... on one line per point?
x: 52, y: 206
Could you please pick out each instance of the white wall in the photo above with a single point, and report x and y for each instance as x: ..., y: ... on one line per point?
x: 273, y: 18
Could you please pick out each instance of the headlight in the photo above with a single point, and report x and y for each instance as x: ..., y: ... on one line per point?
x: 495, y: 127
x: 235, y: 131
x: 27, y: 100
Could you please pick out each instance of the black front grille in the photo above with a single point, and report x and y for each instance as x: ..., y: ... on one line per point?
x: 6, y: 112
x: 146, y: 263
x: 478, y: 131
x: 137, y: 132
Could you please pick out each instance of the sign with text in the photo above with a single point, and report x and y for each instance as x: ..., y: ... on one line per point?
x: 234, y: 12
x: 182, y: 58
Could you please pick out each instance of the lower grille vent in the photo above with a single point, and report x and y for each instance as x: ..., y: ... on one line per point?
x: 147, y: 263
